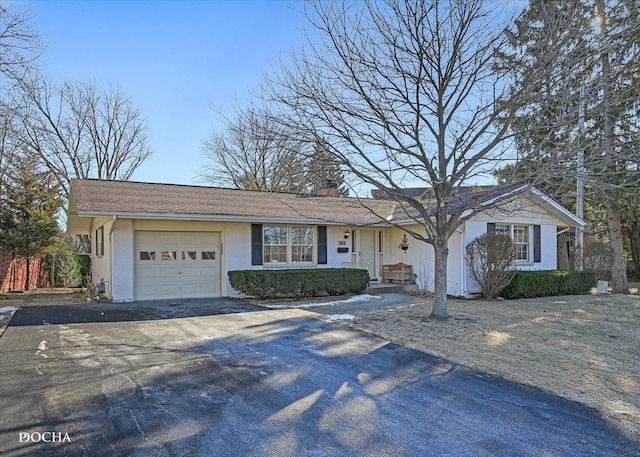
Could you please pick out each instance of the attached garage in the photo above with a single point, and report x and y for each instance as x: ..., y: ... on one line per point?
x: 177, y: 264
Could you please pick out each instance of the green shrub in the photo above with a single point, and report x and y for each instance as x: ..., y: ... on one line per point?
x: 84, y: 260
x: 530, y: 284
x: 299, y: 283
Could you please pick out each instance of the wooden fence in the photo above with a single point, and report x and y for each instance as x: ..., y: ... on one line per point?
x: 13, y: 273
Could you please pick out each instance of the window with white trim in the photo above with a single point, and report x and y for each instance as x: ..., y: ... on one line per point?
x: 520, y: 234
x: 274, y: 244
x: 301, y: 244
x: 287, y: 244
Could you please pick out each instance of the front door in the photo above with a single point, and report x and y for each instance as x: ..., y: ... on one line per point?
x: 368, y: 252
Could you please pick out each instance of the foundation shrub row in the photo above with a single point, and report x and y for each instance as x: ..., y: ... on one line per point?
x: 299, y: 283
x: 530, y: 284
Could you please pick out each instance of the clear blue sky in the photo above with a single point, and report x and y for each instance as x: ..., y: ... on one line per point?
x: 173, y: 58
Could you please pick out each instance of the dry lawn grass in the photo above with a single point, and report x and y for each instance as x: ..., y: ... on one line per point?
x: 585, y: 348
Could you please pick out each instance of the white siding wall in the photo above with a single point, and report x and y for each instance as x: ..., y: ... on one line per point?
x: 237, y: 246
x: 101, y: 264
x: 335, y: 234
x: 525, y: 212
x: 237, y: 240
x: 421, y: 256
x: 460, y: 283
x: 123, y: 261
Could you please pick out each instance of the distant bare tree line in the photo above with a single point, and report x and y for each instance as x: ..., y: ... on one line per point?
x: 76, y: 129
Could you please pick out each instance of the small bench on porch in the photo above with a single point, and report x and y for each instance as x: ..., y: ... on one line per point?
x: 397, y: 273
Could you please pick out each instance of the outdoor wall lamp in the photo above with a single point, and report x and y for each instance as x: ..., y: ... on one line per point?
x: 346, y: 234
x: 404, y: 244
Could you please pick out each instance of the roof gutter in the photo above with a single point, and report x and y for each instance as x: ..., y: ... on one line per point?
x: 223, y: 218
x: 113, y: 225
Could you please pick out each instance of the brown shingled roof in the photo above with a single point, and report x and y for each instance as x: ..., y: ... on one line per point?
x: 92, y: 197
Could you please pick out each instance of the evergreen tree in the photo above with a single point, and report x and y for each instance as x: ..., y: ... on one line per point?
x: 322, y: 165
x: 66, y: 266
x: 545, y: 129
x: 29, y: 203
x: 587, y: 101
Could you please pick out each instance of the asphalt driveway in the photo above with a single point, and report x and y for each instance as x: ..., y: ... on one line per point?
x: 223, y: 378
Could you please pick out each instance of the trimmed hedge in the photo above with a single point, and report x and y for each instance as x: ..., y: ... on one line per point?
x: 530, y: 284
x: 299, y: 283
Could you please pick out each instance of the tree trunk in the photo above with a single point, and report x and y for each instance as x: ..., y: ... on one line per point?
x: 28, y: 273
x: 440, y: 286
x: 619, y: 282
x: 632, y: 232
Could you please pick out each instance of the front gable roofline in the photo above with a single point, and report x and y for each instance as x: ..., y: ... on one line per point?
x: 489, y: 197
x: 561, y: 210
x: 553, y: 207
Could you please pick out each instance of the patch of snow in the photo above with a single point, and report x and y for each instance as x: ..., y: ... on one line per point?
x: 8, y: 309
x: 341, y: 317
x: 354, y: 299
x: 42, y: 347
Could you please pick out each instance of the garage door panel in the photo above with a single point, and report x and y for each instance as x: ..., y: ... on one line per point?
x: 210, y: 288
x: 188, y: 290
x: 190, y: 272
x: 168, y: 273
x: 209, y: 273
x: 146, y: 273
x: 168, y: 238
x: 193, y: 271
x: 188, y: 239
x: 146, y: 290
x: 167, y: 290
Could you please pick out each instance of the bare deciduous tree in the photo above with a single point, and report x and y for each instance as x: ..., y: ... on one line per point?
x: 81, y: 130
x: 19, y: 44
x: 404, y: 92
x: 254, y: 152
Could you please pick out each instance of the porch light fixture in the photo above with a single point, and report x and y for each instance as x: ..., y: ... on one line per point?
x: 346, y: 234
x: 404, y: 244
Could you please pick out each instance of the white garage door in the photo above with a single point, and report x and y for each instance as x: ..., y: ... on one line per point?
x: 177, y: 264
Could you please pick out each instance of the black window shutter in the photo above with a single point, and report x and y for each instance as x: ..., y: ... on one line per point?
x: 256, y: 244
x: 322, y: 244
x: 491, y: 227
x: 537, y: 248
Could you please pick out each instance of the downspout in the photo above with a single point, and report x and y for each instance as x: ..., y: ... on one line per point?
x: 110, y: 291
x: 463, y: 273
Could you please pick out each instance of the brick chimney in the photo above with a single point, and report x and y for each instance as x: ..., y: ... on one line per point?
x: 329, y: 187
